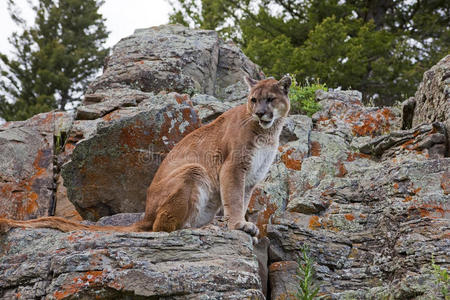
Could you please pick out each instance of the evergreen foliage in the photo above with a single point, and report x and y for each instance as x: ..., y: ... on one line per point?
x: 379, y: 47
x: 303, y: 98
x: 54, y: 59
x: 308, y: 287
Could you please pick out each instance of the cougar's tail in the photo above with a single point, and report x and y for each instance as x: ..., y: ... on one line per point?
x: 66, y: 225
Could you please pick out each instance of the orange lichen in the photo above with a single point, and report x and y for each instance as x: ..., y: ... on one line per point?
x: 22, y: 197
x: 264, y: 217
x: 128, y: 266
x: 322, y: 119
x: 133, y: 135
x: 407, y: 199
x: 282, y: 266
x: 257, y: 200
x: 79, y: 282
x: 115, y: 115
x: 182, y: 98
x: 349, y: 217
x: 406, y: 145
x: 73, y: 237
x: 371, y: 124
x: 396, y: 186
x: 429, y: 210
x: 342, y: 171
x: 314, y: 223
x: 351, y: 156
x: 260, y: 204
x: 291, y: 163
x: 315, y: 148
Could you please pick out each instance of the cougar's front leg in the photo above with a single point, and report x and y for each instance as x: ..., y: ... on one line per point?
x: 232, y: 193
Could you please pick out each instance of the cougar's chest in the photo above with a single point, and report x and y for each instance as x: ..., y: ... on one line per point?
x: 261, y: 160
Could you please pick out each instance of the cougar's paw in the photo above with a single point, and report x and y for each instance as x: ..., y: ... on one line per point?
x: 248, y: 227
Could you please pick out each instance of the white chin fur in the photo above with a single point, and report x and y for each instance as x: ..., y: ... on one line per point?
x: 266, y: 125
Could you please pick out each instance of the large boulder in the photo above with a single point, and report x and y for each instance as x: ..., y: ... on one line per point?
x: 207, y: 263
x: 177, y: 59
x: 432, y: 99
x: 26, y: 166
x: 110, y: 171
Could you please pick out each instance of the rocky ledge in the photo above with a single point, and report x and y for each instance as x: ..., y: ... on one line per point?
x: 207, y: 263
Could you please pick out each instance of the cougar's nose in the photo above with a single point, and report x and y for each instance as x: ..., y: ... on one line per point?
x: 260, y: 114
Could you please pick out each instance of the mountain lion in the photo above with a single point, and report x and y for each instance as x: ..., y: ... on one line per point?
x: 217, y: 165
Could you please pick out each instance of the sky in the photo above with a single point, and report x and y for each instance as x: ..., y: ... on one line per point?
x: 122, y: 18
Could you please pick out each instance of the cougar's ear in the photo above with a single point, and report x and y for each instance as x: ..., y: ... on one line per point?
x: 285, y: 83
x: 250, y: 81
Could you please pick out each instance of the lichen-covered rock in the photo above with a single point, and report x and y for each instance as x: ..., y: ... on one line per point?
x: 381, y: 223
x: 26, y: 166
x: 110, y: 171
x: 432, y: 99
x: 353, y: 197
x: 207, y: 263
x: 342, y: 113
x: 428, y: 141
x: 177, y: 59
x: 284, y: 283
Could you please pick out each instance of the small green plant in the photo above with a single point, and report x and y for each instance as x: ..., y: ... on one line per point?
x: 303, y: 97
x: 307, y: 289
x: 60, y: 140
x: 441, y: 277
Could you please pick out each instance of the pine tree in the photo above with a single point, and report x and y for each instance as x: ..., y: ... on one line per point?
x: 379, y: 47
x: 54, y: 59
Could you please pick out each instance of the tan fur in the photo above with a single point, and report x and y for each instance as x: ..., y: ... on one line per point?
x: 215, y: 166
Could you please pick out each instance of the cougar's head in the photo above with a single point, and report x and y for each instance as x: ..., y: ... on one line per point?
x: 268, y: 99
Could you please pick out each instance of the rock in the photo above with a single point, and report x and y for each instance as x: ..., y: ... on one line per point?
x: 375, y: 219
x: 203, y: 263
x: 209, y: 107
x: 123, y: 219
x: 176, y: 59
x: 428, y: 141
x: 284, y: 283
x: 64, y: 208
x: 261, y: 252
x: 408, y: 113
x: 433, y: 96
x: 343, y: 113
x: 232, y: 66
x: 110, y: 171
x: 26, y: 166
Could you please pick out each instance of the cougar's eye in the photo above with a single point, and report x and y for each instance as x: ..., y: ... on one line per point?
x: 253, y: 100
x: 270, y: 99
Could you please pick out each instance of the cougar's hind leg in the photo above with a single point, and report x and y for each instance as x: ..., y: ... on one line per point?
x: 184, y: 188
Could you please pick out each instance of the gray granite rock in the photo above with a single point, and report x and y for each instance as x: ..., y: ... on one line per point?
x: 177, y: 59
x: 207, y: 263
x: 432, y: 99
